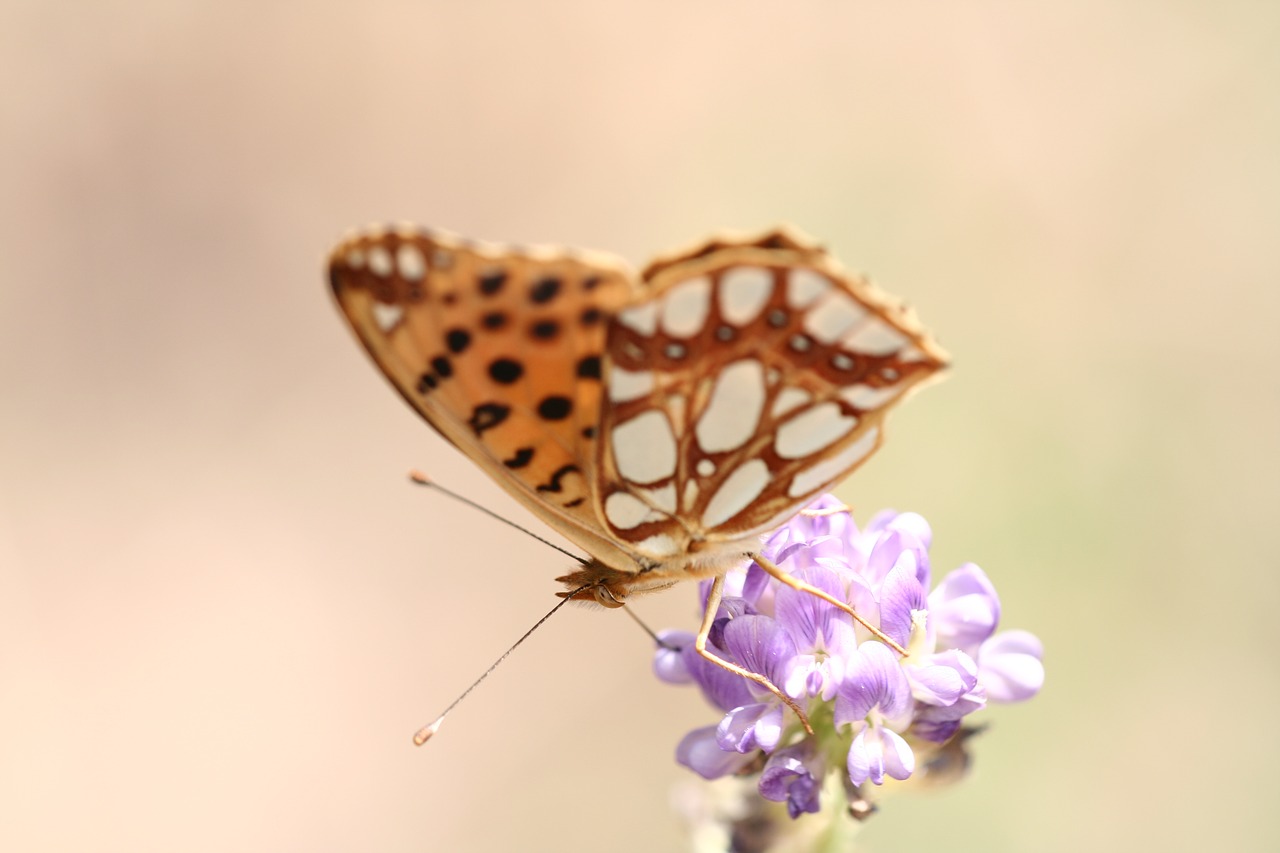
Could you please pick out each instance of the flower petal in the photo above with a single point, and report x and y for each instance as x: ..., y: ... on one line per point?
x: 900, y: 594
x: 934, y: 731
x: 721, y: 688
x: 899, y: 760
x: 884, y: 556
x: 942, y: 679
x: 873, y: 679
x: 964, y: 608
x: 669, y: 659
x: 751, y: 727
x: 761, y: 645
x: 938, y: 723
x: 699, y: 752
x: 935, y: 685
x: 808, y: 619
x: 877, y: 752
x: 793, y: 774
x: 754, y: 585
x: 1009, y: 666
x: 914, y: 524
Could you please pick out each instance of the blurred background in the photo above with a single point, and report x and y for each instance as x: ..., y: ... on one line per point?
x: 223, y: 610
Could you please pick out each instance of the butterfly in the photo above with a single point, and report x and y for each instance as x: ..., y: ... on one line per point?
x: 660, y: 420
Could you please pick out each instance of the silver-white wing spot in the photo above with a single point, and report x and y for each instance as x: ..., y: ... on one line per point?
x: 410, y: 262
x: 387, y: 316
x: 663, y: 498
x: 380, y: 261
x: 867, y: 398
x: 810, y: 431
x: 645, y: 448
x: 658, y: 545
x: 686, y: 307
x: 876, y: 338
x: 625, y: 511
x: 743, y: 293
x: 627, y: 385
x: 833, y: 317
x: 789, y: 398
x: 734, y: 408
x: 804, y: 286
x: 641, y: 318
x: 736, y: 493
x: 827, y: 470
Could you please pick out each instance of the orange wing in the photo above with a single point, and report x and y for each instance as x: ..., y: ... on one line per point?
x: 500, y: 349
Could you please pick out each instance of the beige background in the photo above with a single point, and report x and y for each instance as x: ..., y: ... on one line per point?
x: 223, y: 610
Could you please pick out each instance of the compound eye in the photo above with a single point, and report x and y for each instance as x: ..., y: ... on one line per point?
x: 606, y: 598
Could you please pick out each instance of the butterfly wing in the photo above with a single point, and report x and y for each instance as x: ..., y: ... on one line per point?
x: 750, y: 375
x: 500, y: 350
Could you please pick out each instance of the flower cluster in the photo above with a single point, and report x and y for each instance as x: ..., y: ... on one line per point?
x: 874, y: 712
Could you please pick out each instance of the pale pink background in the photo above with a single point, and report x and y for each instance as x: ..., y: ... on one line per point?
x: 222, y: 609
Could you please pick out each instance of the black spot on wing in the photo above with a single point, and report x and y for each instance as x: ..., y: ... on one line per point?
x: 522, y: 458
x: 504, y: 371
x: 487, y: 416
x: 457, y: 340
x: 555, y: 408
x: 491, y: 283
x: 544, y: 291
x: 544, y: 330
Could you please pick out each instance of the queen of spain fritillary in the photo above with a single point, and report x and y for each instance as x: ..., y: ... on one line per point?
x: 661, y: 420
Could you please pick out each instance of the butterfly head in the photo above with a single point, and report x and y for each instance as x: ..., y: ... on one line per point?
x: 607, y: 586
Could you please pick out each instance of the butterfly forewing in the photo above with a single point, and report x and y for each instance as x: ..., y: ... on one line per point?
x: 750, y: 375
x: 500, y: 350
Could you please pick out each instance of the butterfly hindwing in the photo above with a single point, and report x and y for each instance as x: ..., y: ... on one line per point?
x: 750, y: 375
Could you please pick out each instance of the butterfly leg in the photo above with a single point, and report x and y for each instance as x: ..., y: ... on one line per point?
x: 777, y: 573
x: 825, y: 511
x: 700, y: 644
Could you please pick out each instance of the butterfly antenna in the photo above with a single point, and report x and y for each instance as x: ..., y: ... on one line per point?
x: 421, y: 479
x: 424, y: 734
x: 656, y: 639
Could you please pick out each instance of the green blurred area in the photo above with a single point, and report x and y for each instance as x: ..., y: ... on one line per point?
x: 222, y: 611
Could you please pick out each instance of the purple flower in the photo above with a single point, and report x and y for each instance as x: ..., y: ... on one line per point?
x: 794, y: 775
x: 1009, y: 666
x: 875, y: 700
x: 875, y: 713
x: 967, y: 611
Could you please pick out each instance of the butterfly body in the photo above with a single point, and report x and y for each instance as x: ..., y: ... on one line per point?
x: 662, y: 420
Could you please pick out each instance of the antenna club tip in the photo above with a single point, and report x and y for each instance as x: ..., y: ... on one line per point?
x: 418, y: 477
x: 424, y: 734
